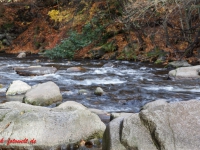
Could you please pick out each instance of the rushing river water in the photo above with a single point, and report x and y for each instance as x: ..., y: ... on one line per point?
x: 128, y: 85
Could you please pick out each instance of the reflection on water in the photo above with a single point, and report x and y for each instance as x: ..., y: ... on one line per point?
x: 127, y: 85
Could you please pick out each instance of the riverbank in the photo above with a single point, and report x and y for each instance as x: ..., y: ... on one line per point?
x: 100, y: 30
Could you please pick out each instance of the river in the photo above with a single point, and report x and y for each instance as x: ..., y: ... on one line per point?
x: 128, y: 85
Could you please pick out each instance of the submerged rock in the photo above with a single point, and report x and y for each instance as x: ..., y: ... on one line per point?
x: 108, y: 65
x: 76, y: 69
x: 35, y: 70
x: 18, y: 87
x: 46, y: 128
x: 177, y: 64
x: 83, y: 92
x: 43, y: 94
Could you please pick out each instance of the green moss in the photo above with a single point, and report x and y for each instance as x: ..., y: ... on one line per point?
x: 110, y: 47
x: 155, y: 53
x: 66, y: 49
x: 3, y: 116
x: 158, y: 61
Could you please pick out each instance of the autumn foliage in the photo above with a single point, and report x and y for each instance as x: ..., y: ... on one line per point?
x: 171, y: 25
x: 140, y: 29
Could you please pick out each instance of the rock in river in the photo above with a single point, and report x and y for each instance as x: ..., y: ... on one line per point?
x: 46, y: 128
x: 177, y: 64
x: 75, y: 69
x: 18, y: 87
x: 109, y: 64
x: 99, y: 91
x: 43, y: 94
x: 185, y: 73
x: 21, y: 55
x: 35, y: 70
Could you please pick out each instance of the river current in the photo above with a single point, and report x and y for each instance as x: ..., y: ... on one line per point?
x: 128, y: 85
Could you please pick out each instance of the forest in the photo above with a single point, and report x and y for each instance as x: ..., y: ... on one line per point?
x: 100, y: 74
x: 157, y: 31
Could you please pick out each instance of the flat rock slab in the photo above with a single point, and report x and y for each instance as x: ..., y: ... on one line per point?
x: 177, y: 64
x: 76, y: 69
x: 34, y: 70
x: 46, y: 128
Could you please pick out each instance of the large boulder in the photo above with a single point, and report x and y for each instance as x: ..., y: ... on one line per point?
x: 185, y: 73
x: 154, y: 104
x: 127, y: 132
x: 136, y: 135
x: 39, y: 127
x: 34, y: 70
x: 112, y: 135
x: 160, y: 125
x: 43, y: 94
x: 116, y: 115
x: 175, y: 125
x: 17, y: 87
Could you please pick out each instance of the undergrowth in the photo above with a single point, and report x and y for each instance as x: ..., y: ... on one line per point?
x: 91, y: 32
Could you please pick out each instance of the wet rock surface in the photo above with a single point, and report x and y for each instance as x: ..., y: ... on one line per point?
x: 34, y: 70
x: 76, y: 69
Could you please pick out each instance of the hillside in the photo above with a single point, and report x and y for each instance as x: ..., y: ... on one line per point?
x: 158, y: 31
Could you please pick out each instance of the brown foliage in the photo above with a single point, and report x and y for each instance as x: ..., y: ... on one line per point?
x: 171, y: 25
